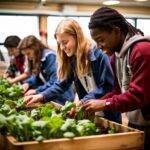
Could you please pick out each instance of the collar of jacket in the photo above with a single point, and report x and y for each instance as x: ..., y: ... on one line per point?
x: 94, y: 53
x: 46, y: 52
x: 128, y: 42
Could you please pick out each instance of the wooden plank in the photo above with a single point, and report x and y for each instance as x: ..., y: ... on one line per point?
x: 104, y: 142
x: 3, y: 142
x: 43, y: 28
x: 128, y: 138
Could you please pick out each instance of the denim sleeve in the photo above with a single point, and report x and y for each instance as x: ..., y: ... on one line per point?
x: 43, y: 87
x: 50, y: 67
x: 32, y: 80
x: 104, y: 79
x: 56, y: 89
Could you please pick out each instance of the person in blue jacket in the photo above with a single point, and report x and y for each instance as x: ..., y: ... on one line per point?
x: 79, y: 60
x: 42, y: 65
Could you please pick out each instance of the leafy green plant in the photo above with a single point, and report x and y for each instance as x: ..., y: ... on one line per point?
x: 43, y: 122
x: 66, y: 108
x: 86, y: 127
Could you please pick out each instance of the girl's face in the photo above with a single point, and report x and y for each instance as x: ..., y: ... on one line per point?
x: 29, y: 53
x: 67, y: 43
x: 108, y: 41
x: 13, y: 51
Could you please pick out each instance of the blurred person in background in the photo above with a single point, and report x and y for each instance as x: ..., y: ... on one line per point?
x: 16, y: 70
x: 42, y: 66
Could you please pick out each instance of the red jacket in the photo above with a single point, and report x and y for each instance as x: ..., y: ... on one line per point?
x: 19, y: 61
x: 138, y: 94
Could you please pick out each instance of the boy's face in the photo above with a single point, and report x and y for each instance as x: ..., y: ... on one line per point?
x: 108, y: 41
x: 13, y: 51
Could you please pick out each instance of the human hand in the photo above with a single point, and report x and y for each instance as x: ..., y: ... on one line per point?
x: 30, y: 92
x: 25, y: 87
x: 10, y: 80
x: 94, y: 105
x: 72, y: 112
x: 78, y: 103
x: 6, y: 75
x: 28, y: 100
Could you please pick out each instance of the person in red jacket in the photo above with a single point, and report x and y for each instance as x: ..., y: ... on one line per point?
x: 16, y: 57
x: 16, y: 71
x: 130, y: 52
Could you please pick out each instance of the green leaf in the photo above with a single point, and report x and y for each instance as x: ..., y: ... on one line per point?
x: 69, y: 135
x: 2, y: 121
x: 40, y: 138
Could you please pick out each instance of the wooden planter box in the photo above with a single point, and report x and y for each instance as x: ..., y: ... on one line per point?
x: 127, y: 138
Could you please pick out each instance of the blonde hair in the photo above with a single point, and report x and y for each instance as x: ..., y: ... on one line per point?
x: 37, y: 46
x: 71, y: 27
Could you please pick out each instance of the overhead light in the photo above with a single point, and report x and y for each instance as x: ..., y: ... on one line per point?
x: 140, y: 0
x: 43, y: 2
x: 111, y: 2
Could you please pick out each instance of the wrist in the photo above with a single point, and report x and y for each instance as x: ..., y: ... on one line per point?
x: 107, y: 104
x: 43, y: 98
x: 103, y: 104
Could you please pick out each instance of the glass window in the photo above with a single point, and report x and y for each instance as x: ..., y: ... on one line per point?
x: 17, y: 25
x: 143, y: 25
x: 84, y: 22
x: 52, y: 23
x: 132, y: 21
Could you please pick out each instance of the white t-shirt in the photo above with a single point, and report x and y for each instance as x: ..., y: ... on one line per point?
x: 88, y: 82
